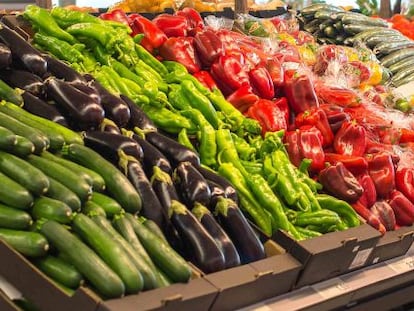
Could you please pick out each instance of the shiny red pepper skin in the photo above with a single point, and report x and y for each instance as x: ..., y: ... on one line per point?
x: 194, y: 20
x: 243, y: 98
x: 385, y: 213
x: 341, y: 96
x: 406, y: 136
x: 382, y: 171
x: 208, y: 46
x: 369, y: 217
x: 404, y: 180
x: 292, y: 147
x: 275, y: 69
x: 172, y: 25
x: 153, y: 36
x: 356, y: 165
x: 261, y: 82
x: 310, y: 146
x: 316, y: 117
x: 336, y: 116
x: 116, y: 15
x: 403, y: 208
x: 350, y: 139
x: 206, y: 79
x: 369, y: 197
x: 270, y: 117
x: 181, y: 49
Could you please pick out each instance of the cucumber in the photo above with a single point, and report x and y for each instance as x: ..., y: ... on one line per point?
x: 338, y: 26
x: 355, y: 18
x: 13, y: 194
x: 12, y: 95
x: 313, y: 8
x: 152, y: 225
x: 85, y: 260
x: 109, y: 205
x: 23, y: 147
x: 400, y: 75
x: 148, y: 274
x: 323, y: 14
x: 39, y: 140
x: 7, y: 138
x: 28, y: 243
x: 117, y: 184
x: 162, y: 278
x: 388, y: 47
x: 93, y: 178
x: 163, y: 256
x: 91, y: 208
x: 12, y: 218
x: 372, y: 41
x: 325, y: 24
x: 51, y: 209
x: 405, y: 80
x: 110, y: 251
x: 396, y: 56
x: 64, y: 175
x: 364, y: 35
x: 312, y: 25
x: 23, y: 173
x: 330, y: 32
x: 60, y: 192
x: 59, y: 271
x: 356, y: 28
x: 401, y: 64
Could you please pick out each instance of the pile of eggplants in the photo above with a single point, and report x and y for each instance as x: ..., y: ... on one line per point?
x: 196, y: 208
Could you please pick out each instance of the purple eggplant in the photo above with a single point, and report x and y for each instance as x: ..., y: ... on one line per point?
x: 192, y: 186
x: 24, y: 80
x: 200, y: 245
x: 38, y: 107
x: 61, y: 70
x: 83, y: 110
x: 23, y: 51
x: 109, y: 145
x: 231, y: 256
x: 5, y: 56
x: 216, y: 192
x: 232, y: 220
x: 174, y: 151
x: 138, y: 118
x: 108, y: 125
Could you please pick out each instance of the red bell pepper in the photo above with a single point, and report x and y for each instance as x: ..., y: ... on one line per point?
x: 369, y: 217
x: 335, y: 115
x: 261, y: 82
x: 153, y: 36
x: 208, y: 46
x: 356, y: 165
x: 172, y: 25
x: 350, y: 139
x: 270, y: 117
x: 243, y: 98
x: 206, y: 79
x: 194, y: 20
x: 275, y: 69
x: 181, y: 49
x: 406, y: 136
x: 310, y: 147
x: 316, y: 117
x: 299, y: 91
x: 359, y: 70
x: 385, y: 213
x: 116, y: 15
x: 327, y: 54
x: 369, y: 197
x: 382, y: 171
x: 404, y: 181
x: 292, y: 147
x: 403, y: 208
x: 336, y: 95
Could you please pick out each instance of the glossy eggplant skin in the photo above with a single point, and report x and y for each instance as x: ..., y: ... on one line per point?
x: 192, y: 186
x: 23, y: 51
x: 231, y: 219
x: 5, y: 56
x: 61, y: 70
x: 40, y: 108
x: 109, y: 145
x: 216, y: 192
x: 24, y: 80
x: 84, y: 112
x: 108, y: 125
x: 174, y: 151
x: 138, y: 117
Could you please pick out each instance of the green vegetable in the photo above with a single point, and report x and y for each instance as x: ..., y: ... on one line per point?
x: 108, y: 204
x: 51, y: 209
x: 342, y: 208
x: 13, y: 194
x: 30, y: 244
x: 60, y: 192
x: 12, y: 218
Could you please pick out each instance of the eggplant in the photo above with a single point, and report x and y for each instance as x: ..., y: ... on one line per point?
x: 24, y: 80
x: 109, y: 144
x: 5, y: 56
x: 192, y: 185
x: 38, y: 107
x: 138, y: 117
x: 231, y: 256
x: 229, y: 191
x: 61, y: 70
x: 200, y: 245
x: 88, y: 90
x: 216, y: 191
x: 232, y: 220
x: 152, y: 157
x: 83, y: 110
x: 22, y: 50
x: 108, y: 125
x: 174, y: 151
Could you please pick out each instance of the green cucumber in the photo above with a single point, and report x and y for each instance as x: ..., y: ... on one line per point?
x: 313, y: 8
x: 90, y: 208
x: 117, y: 184
x: 148, y: 274
x: 59, y: 271
x: 64, y: 175
x: 400, y: 75
x: 13, y: 194
x: 325, y: 24
x: 152, y: 225
x: 388, y: 47
x: 23, y: 173
x: 23, y: 147
x: 372, y: 41
x: 396, y: 56
x: 401, y: 64
x: 39, y: 140
x: 89, y: 264
x: 356, y: 28
x: 355, y: 18
x: 51, y: 209
x: 162, y: 254
x: 109, y: 205
x: 110, y: 251
x: 405, y: 80
x: 162, y: 278
x: 10, y: 94
x: 12, y: 218
x: 330, y: 32
x: 28, y: 243
x: 323, y: 14
x: 365, y: 34
x: 60, y: 192
x: 7, y: 138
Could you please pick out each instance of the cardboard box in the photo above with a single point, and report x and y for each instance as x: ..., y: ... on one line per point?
x: 331, y: 254
x: 6, y: 304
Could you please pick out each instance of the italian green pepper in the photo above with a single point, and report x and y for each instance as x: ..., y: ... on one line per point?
x: 342, y: 208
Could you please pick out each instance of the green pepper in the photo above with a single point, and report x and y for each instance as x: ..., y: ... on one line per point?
x: 59, y: 48
x: 176, y: 97
x: 116, y: 81
x: 103, y: 34
x: 322, y: 217
x: 150, y: 60
x: 232, y: 114
x: 132, y: 86
x: 308, y: 233
x: 184, y: 140
x: 43, y: 20
x: 176, y: 67
x: 102, y: 79
x: 245, y: 151
x: 252, y: 167
x: 342, y: 208
x: 150, y: 71
x: 227, y: 151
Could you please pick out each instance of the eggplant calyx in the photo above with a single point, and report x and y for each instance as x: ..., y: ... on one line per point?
x: 178, y: 208
x: 199, y: 210
x: 161, y: 176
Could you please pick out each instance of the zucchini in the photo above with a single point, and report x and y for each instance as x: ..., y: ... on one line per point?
x: 28, y: 243
x: 89, y: 264
x: 313, y: 8
x: 110, y: 251
x: 13, y: 194
x: 60, y: 192
x: 355, y: 18
x: 338, y: 26
x: 10, y: 94
x: 93, y: 178
x: 400, y: 75
x: 163, y: 256
x: 148, y: 273
x: 117, y: 184
x: 39, y: 140
x: 401, y: 64
x: 323, y: 14
x: 109, y: 205
x: 325, y: 24
x: 378, y: 31
x: 23, y: 173
x: 90, y: 208
x: 405, y: 80
x: 12, y: 218
x: 388, y: 47
x: 356, y: 28
x: 51, y: 209
x: 152, y: 225
x: 59, y: 271
x: 7, y: 138
x: 162, y: 278
x: 23, y: 147
x: 372, y: 41
x: 330, y: 32
x: 64, y: 175
x: 396, y: 56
